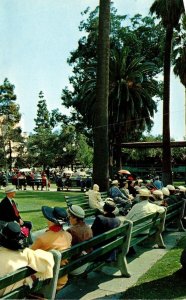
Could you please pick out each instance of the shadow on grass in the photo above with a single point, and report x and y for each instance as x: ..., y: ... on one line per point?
x: 169, y: 287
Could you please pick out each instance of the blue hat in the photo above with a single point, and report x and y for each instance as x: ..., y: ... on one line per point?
x: 57, y: 215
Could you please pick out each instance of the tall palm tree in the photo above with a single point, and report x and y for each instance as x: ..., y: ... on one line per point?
x: 180, y: 70
x: 100, y: 125
x: 131, y: 103
x: 170, y: 12
x: 180, y: 61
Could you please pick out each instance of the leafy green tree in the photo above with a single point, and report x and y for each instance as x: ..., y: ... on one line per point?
x: 10, y: 129
x: 71, y: 147
x: 170, y: 12
x: 42, y: 140
x: 127, y: 56
x: 42, y: 120
x: 84, y: 152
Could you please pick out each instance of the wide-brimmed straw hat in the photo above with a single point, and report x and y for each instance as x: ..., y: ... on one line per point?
x: 182, y: 188
x: 144, y: 192
x: 57, y: 215
x: 115, y: 182
x: 158, y: 193
x: 10, y: 189
x: 170, y: 187
x: 165, y: 191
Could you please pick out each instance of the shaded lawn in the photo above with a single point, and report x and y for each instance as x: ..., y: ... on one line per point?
x: 165, y: 280
x: 30, y: 200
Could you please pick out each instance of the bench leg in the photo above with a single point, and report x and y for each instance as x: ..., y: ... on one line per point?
x: 180, y: 226
x: 122, y: 265
x: 159, y: 240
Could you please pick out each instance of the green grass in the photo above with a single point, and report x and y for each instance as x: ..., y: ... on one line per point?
x: 165, y: 280
x: 29, y: 200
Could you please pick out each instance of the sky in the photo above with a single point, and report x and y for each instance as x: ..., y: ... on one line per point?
x: 37, y: 37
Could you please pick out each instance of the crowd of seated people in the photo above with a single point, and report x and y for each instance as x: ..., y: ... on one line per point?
x: 141, y: 203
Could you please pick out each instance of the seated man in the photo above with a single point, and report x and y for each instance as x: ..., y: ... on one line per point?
x: 55, y: 237
x: 158, y: 183
x: 9, y: 211
x: 172, y: 197
x: 145, y: 208
x: 14, y: 256
x: 118, y: 197
x: 157, y: 197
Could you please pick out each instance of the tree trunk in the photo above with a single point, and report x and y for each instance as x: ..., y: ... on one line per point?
x: 167, y: 168
x: 10, y: 155
x: 100, y: 130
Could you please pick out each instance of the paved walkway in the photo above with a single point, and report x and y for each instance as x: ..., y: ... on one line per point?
x: 106, y: 286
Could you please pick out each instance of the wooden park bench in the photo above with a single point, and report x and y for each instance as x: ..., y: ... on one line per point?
x: 116, y: 239
x: 46, y: 287
x: 175, y: 215
x: 119, y: 240
x: 82, y: 200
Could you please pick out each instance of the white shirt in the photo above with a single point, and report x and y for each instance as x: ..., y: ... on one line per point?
x: 143, y: 209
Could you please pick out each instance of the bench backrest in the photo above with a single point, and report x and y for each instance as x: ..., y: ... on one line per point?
x: 175, y: 212
x: 83, y: 201
x: 117, y: 238
x: 147, y: 226
x: 47, y: 287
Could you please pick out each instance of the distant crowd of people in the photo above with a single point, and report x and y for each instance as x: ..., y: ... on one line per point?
x: 33, y: 179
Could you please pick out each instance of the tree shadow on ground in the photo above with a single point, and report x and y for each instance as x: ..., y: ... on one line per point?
x: 169, y: 287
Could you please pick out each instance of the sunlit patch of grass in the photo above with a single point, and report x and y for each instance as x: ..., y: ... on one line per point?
x: 165, y: 280
x: 30, y: 200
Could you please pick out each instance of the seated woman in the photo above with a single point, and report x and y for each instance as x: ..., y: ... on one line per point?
x: 103, y: 223
x: 95, y: 200
x: 108, y: 221
x: 79, y: 230
x: 55, y: 237
x: 13, y: 256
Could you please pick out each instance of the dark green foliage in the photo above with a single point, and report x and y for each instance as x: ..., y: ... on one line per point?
x: 10, y: 129
x: 42, y: 120
x: 135, y: 47
x: 170, y: 13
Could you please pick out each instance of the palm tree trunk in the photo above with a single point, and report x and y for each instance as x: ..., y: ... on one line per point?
x: 185, y: 115
x: 167, y: 168
x: 100, y: 130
